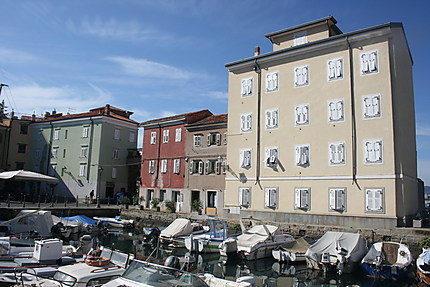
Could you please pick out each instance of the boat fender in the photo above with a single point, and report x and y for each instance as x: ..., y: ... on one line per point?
x: 403, y: 253
x: 96, y: 261
x: 172, y: 262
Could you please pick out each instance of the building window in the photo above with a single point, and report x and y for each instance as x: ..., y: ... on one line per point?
x: 65, y: 134
x: 64, y: 153
x: 114, y: 172
x: 335, y: 69
x: 212, y: 199
x: 303, y: 155
x: 245, y: 196
x: 164, y: 166
x: 165, y: 136
x: 245, y: 158
x: 300, y: 38
x: 373, y: 151
x: 371, y: 106
x: 85, y: 132
x: 162, y: 195
x: 153, y: 137
x: 272, y: 157
x: 56, y: 134
x: 115, y: 154
x: 246, y: 123
x: 337, y: 199
x: 132, y: 137
x: 374, y: 199
x: 196, y: 167
x: 336, y: 111
x: 271, y: 119
x: 197, y: 140
x: 82, y: 169
x: 55, y: 152
x: 178, y: 135
x: 247, y: 87
x: 271, y: 82
x: 177, y: 166
x: 151, y: 166
x: 224, y: 140
x: 214, y: 139
x: 336, y: 153
x: 117, y: 134
x: 211, y: 167
x: 84, y: 151
x: 369, y: 62
x: 302, y: 115
x: 23, y: 129
x: 301, y: 76
x: 302, y: 196
x: 271, y: 197
x: 22, y: 148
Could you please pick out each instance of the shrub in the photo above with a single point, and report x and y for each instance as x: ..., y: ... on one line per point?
x: 170, y: 206
x: 425, y: 243
x: 196, y: 205
x: 155, y: 202
x: 125, y: 200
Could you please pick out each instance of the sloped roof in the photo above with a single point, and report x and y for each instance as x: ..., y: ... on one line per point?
x: 187, y: 118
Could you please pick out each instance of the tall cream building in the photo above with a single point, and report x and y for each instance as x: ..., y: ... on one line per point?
x: 322, y: 129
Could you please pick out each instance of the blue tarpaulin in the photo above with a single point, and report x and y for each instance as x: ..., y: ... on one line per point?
x: 81, y: 218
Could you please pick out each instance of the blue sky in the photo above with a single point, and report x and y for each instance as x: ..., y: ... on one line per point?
x: 158, y: 58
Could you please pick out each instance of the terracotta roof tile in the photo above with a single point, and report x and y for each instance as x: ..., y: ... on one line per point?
x: 203, y: 113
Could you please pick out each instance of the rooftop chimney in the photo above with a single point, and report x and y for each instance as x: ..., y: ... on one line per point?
x: 257, y: 51
x: 107, y: 109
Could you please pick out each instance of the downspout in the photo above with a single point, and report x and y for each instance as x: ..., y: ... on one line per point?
x: 9, y: 130
x: 158, y: 155
x: 353, y: 116
x: 48, y: 159
x: 90, y: 149
x: 257, y: 69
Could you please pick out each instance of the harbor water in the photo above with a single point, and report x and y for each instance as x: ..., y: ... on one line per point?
x: 267, y: 272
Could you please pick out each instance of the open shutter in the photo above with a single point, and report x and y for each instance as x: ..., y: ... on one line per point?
x: 364, y: 63
x: 267, y: 198
x: 218, y: 167
x: 297, y: 198
x: 268, y: 119
x: 370, y: 200
x: 218, y: 139
x: 267, y: 156
x: 241, y: 190
x: 201, y: 167
x: 340, y: 199
x: 338, y: 68
x: 207, y: 167
x: 191, y: 167
x: 274, y: 197
x: 298, y: 155
x: 332, y: 199
x: 378, y: 200
x: 331, y: 70
x: 209, y: 140
x: 304, y: 198
x: 246, y: 197
x: 376, y: 106
x: 373, y: 62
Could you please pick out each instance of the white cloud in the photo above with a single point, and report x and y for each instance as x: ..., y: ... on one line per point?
x: 423, y: 130
x: 15, y: 56
x: 218, y: 95
x: 146, y: 68
x: 424, y: 171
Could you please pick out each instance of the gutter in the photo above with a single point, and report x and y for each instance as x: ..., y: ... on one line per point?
x: 257, y: 69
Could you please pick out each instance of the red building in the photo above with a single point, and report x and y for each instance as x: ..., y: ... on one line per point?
x: 163, y: 166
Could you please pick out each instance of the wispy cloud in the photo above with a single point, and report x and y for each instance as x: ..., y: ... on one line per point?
x: 15, y: 56
x: 424, y: 171
x: 113, y: 29
x: 150, y: 69
x: 218, y: 95
x: 423, y: 130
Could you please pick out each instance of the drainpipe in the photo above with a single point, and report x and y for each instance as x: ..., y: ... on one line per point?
x: 158, y: 156
x: 353, y: 115
x: 90, y: 148
x: 257, y: 69
x: 48, y: 159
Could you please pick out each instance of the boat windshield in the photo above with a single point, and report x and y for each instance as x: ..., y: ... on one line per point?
x: 160, y: 276
x: 64, y: 278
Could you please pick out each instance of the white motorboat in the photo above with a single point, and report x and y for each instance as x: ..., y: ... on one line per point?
x: 94, y: 271
x: 423, y: 266
x: 179, y: 229
x: 116, y: 221
x: 293, y: 252
x: 208, y: 242
x: 342, y: 250
x: 256, y: 242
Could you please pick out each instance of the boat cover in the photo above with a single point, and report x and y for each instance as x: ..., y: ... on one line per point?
x: 256, y: 234
x: 299, y: 245
x: 425, y: 257
x: 179, y: 227
x: 85, y: 220
x: 353, y: 243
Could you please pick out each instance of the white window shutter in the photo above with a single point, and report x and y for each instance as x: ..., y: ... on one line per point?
x: 200, y: 167
x: 218, y: 168
x: 373, y: 62
x: 304, y: 198
x: 340, y: 199
x: 339, y: 71
x: 191, y: 167
x: 209, y: 139
x: 207, y: 167
x: 298, y: 155
x: 246, y: 196
x: 378, y: 200
x: 267, y: 198
x: 267, y: 157
x: 297, y: 198
x: 218, y: 139
x: 305, y: 75
x: 268, y: 119
x: 332, y: 199
x: 364, y: 63
x: 241, y: 191
x: 370, y: 200
x: 331, y: 70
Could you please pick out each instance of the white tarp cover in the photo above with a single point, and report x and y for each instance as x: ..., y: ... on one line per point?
x: 354, y: 243
x: 179, y: 227
x: 255, y: 235
x: 27, y: 175
x: 32, y: 220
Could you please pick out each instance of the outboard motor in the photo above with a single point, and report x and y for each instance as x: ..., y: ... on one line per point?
x: 153, y: 235
x: 172, y: 262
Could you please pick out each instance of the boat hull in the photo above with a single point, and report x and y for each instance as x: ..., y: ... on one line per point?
x: 392, y: 272
x: 286, y: 256
x: 423, y: 277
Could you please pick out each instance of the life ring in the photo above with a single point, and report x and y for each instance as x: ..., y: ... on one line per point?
x: 97, y: 261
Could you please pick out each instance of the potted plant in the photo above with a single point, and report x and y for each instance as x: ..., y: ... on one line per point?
x: 126, y: 201
x: 196, y: 206
x: 425, y: 243
x: 170, y: 206
x: 155, y: 202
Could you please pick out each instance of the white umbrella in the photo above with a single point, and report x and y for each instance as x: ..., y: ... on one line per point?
x: 27, y: 175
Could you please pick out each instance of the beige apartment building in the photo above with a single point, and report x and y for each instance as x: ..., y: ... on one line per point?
x: 322, y: 129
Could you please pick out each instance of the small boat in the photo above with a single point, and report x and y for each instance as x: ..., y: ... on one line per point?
x: 341, y: 250
x: 293, y: 252
x: 146, y: 274
x: 116, y: 222
x: 208, y: 242
x: 423, y: 267
x: 179, y: 229
x: 387, y: 260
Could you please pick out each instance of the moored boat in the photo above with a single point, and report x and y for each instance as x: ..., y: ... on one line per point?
x: 293, y: 252
x: 179, y: 229
x: 208, y: 242
x: 423, y: 267
x: 116, y: 221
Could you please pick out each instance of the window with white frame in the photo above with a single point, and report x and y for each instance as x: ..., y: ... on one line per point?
x: 245, y: 196
x: 211, y: 167
x: 271, y: 82
x: 85, y: 132
x: 272, y: 156
x: 335, y: 69
x: 56, y: 135
x: 271, y: 119
x: 84, y: 151
x: 337, y: 199
x: 224, y: 139
x: 153, y: 138
x: 197, y: 140
x: 132, y: 137
x: 369, y: 62
x: 374, y: 199
x: 271, y: 197
x: 245, y: 158
x: 114, y: 172
x: 301, y: 76
x: 55, y: 152
x: 165, y: 136
x: 115, y: 153
x: 246, y: 123
x: 164, y: 166
x: 151, y: 167
x: 373, y: 151
x: 177, y: 166
x: 117, y: 134
x: 303, y: 155
x: 336, y: 111
x: 301, y: 115
x: 336, y: 153
x: 371, y: 106
x: 247, y: 87
x: 214, y: 139
x: 196, y: 167
x: 178, y: 135
x: 302, y: 198
x: 82, y: 169
x: 300, y: 38
x: 218, y: 167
